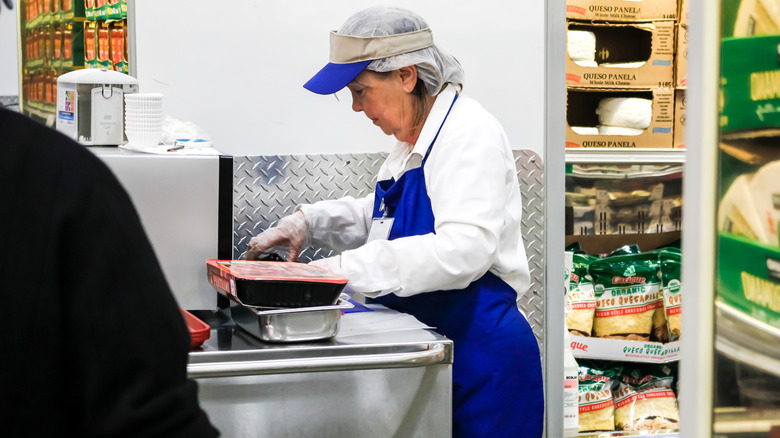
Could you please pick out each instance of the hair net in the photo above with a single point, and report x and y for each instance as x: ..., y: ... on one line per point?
x: 434, y: 67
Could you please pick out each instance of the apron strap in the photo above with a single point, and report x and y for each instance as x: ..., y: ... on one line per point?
x: 430, y: 147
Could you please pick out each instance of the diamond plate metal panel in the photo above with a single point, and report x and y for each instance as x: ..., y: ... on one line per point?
x: 530, y: 175
x: 267, y: 188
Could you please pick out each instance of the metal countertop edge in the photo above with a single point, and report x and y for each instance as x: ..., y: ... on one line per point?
x: 436, y: 353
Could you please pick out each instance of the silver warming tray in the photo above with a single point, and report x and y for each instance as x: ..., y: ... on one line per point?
x: 290, y: 324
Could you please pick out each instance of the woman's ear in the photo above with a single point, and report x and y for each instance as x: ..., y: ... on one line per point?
x: 408, y: 77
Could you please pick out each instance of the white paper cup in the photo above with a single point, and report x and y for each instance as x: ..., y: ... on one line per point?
x: 144, y: 112
x: 140, y: 119
x: 144, y: 139
x: 144, y: 106
x: 144, y: 97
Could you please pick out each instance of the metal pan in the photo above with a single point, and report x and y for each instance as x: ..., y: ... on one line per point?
x: 290, y: 325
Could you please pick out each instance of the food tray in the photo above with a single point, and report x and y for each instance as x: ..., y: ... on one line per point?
x: 290, y: 325
x: 199, y: 330
x: 275, y: 284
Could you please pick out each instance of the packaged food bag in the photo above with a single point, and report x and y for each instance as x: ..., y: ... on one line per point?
x: 671, y: 264
x: 596, y: 403
x: 581, y: 300
x: 644, y: 399
x: 628, y: 291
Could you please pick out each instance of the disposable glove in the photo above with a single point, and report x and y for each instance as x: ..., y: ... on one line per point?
x: 288, y: 238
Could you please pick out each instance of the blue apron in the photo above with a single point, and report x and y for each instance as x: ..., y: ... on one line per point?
x: 497, y: 375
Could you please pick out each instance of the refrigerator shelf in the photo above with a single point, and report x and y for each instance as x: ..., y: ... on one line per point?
x: 614, y: 155
x: 660, y: 433
x: 628, y: 351
x: 747, y: 340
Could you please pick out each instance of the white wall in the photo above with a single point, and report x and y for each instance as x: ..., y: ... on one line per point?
x: 9, y: 60
x: 237, y: 70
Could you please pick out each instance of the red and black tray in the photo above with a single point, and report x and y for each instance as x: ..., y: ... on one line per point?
x: 275, y: 284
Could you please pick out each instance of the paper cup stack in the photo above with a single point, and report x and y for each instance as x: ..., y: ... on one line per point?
x: 144, y: 119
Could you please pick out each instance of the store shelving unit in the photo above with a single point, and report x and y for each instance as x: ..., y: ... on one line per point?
x: 619, y: 155
x: 662, y: 164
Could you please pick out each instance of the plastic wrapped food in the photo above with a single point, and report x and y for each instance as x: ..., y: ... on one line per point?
x: 580, y: 300
x: 275, y: 284
x: 671, y: 262
x: 628, y: 291
x: 596, y: 405
x: 644, y: 399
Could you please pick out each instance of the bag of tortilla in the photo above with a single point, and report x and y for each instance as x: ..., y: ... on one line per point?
x: 628, y: 291
x: 596, y: 404
x: 581, y: 300
x: 644, y: 399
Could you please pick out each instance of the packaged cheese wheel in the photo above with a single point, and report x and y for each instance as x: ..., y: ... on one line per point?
x: 580, y: 300
x: 596, y: 403
x: 644, y: 399
x: 671, y: 266
x: 628, y: 291
x: 738, y: 213
x: 765, y: 190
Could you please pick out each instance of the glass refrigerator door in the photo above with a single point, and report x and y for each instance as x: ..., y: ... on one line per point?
x: 732, y: 254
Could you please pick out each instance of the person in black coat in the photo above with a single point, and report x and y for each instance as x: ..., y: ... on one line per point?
x: 93, y: 342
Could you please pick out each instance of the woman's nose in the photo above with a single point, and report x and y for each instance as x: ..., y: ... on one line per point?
x: 356, y: 107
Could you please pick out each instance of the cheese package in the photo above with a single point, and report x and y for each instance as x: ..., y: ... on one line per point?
x: 660, y: 331
x: 671, y: 265
x: 596, y: 404
x: 765, y: 190
x: 644, y: 399
x: 738, y: 214
x: 580, y: 300
x: 274, y: 284
x: 628, y: 291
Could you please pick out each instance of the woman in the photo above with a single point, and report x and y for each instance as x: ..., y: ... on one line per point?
x: 440, y: 237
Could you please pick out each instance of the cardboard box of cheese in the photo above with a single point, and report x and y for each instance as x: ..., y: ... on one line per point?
x: 627, y: 55
x: 621, y: 10
x: 581, y: 112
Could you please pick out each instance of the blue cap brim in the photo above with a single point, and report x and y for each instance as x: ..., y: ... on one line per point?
x: 334, y: 77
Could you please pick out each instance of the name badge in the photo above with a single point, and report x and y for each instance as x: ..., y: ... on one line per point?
x: 380, y: 229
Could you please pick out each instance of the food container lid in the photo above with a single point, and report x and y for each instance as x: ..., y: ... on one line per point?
x: 276, y: 271
x: 199, y: 330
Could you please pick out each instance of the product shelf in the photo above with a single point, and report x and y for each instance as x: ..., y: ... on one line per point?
x: 636, y: 156
x: 660, y: 433
x: 585, y: 347
x: 741, y: 421
x: 747, y: 340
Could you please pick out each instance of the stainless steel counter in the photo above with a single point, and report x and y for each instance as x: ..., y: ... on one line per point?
x: 383, y: 375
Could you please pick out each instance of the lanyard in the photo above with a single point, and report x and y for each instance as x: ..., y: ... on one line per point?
x: 437, y: 132
x: 425, y: 158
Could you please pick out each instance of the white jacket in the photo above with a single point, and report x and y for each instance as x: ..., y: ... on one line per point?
x: 471, y: 181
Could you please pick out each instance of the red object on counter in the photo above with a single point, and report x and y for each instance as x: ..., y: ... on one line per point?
x: 275, y: 284
x: 199, y: 330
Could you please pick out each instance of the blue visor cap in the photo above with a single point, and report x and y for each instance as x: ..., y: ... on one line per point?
x: 334, y: 77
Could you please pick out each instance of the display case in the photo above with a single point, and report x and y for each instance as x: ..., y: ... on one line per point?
x: 59, y: 36
x: 625, y: 155
x: 618, y: 203
x: 731, y: 252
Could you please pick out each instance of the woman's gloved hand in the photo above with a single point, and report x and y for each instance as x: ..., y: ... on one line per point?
x: 288, y: 238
